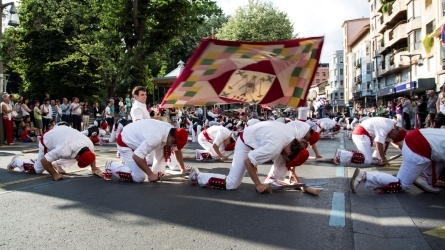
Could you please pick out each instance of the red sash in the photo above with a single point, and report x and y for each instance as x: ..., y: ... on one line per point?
x: 206, y: 135
x: 301, y: 120
x: 419, y: 145
x: 360, y: 130
x: 242, y: 139
x: 45, y: 149
x: 120, y: 142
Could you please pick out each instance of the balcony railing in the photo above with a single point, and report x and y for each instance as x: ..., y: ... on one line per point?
x: 358, y: 63
x: 358, y: 79
x: 357, y: 94
x: 367, y: 92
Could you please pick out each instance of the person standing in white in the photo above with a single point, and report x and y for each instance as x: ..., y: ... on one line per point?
x: 139, y: 109
x: 423, y: 160
x: 137, y: 141
x: 61, y: 143
x: 302, y: 113
x: 260, y: 143
x: 213, y: 140
x: 76, y: 114
x: 377, y: 129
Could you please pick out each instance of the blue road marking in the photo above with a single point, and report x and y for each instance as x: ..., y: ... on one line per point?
x: 337, y: 215
x: 340, y: 171
x: 54, y: 183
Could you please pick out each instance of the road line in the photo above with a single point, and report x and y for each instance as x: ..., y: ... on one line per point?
x: 337, y: 215
x: 52, y: 183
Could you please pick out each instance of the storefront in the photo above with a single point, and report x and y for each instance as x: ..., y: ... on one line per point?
x: 418, y: 87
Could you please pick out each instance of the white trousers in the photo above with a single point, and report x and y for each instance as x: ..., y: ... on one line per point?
x: 195, y: 134
x: 413, y: 165
x: 131, y: 167
x: 399, y: 120
x: 363, y: 144
x: 278, y: 170
x: 172, y: 164
x: 208, y: 147
x: 237, y: 171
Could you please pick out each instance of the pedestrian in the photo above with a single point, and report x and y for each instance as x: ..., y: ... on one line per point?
x: 214, y: 141
x: 76, y: 114
x: 137, y: 141
x: 139, y: 109
x: 7, y: 117
x: 38, y: 117
x: 63, y: 144
x: 380, y: 130
x: 258, y: 144
x: 423, y: 160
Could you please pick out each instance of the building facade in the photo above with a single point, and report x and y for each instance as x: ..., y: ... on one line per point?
x: 357, y: 63
x: 336, y: 80
x: 399, y: 30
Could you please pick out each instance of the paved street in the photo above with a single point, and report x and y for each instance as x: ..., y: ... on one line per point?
x: 86, y: 212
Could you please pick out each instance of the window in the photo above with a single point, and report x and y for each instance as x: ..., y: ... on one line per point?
x: 341, y: 96
x: 336, y: 86
x: 324, y: 73
x: 341, y: 59
x: 413, y: 10
x: 336, y: 94
x: 443, y: 7
x: 317, y: 81
x: 335, y: 72
x: 372, y: 7
x: 341, y: 83
x: 430, y: 27
x: 341, y: 72
x: 317, y: 74
x: 414, y: 40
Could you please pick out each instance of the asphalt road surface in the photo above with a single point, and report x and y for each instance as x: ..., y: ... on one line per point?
x: 86, y: 212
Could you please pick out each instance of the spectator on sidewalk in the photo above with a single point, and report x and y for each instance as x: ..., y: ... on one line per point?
x: 25, y: 135
x: 139, y: 110
x: 432, y: 100
x: 7, y: 118
x: 38, y: 117
x: 65, y: 107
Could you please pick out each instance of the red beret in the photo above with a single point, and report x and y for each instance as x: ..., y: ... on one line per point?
x: 104, y: 125
x: 182, y: 137
x: 400, y: 136
x: 230, y: 147
x: 95, y: 139
x: 86, y: 159
x: 314, y: 138
x: 299, y: 159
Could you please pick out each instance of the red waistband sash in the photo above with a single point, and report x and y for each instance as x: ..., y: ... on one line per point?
x: 302, y: 120
x: 242, y: 139
x: 120, y: 142
x: 360, y: 130
x: 45, y: 149
x: 419, y: 145
x: 206, y: 135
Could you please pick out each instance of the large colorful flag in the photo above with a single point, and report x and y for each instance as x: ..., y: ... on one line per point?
x: 270, y: 73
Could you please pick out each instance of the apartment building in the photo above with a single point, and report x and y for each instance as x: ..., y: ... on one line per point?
x: 357, y: 63
x: 322, y: 74
x: 336, y: 80
x: 402, y: 66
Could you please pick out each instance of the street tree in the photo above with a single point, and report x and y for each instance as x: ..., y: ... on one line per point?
x: 257, y: 21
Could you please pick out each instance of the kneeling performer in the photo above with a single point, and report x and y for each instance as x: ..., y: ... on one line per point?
x: 214, y: 141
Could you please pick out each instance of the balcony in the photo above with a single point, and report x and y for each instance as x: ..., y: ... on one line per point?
x: 358, y: 79
x: 357, y: 95
x: 397, y: 11
x: 397, y: 34
x: 358, y: 63
x: 414, y: 24
x: 381, y: 24
x: 367, y: 92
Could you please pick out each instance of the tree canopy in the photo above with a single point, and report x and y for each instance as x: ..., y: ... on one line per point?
x: 85, y: 48
x: 257, y: 21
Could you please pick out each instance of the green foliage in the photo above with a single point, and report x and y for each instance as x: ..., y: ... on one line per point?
x: 428, y: 43
x: 257, y: 21
x: 386, y: 5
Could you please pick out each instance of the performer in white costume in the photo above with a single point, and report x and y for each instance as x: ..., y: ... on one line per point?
x: 380, y: 130
x: 60, y: 143
x: 325, y: 126
x: 302, y: 113
x: 139, y: 109
x: 423, y: 159
x: 261, y: 143
x: 214, y: 141
x: 307, y: 137
x: 252, y: 122
x: 137, y: 141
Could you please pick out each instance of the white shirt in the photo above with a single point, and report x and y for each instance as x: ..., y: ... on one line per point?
x: 65, y: 143
x: 146, y: 136
x: 325, y: 123
x: 139, y: 111
x: 301, y: 128
x: 252, y: 122
x: 435, y: 138
x: 75, y: 109
x: 217, y: 134
x: 302, y: 113
x: 108, y: 112
x: 267, y: 139
x: 48, y: 110
x: 24, y: 112
x: 378, y: 128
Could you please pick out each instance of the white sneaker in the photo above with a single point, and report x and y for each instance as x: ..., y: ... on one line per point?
x: 269, y: 180
x: 108, y: 174
x: 358, y: 177
x: 12, y: 164
x: 198, y: 155
x: 193, y: 177
x: 422, y: 183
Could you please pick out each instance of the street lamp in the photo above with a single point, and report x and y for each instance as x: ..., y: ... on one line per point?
x: 14, y: 22
x: 420, y: 63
